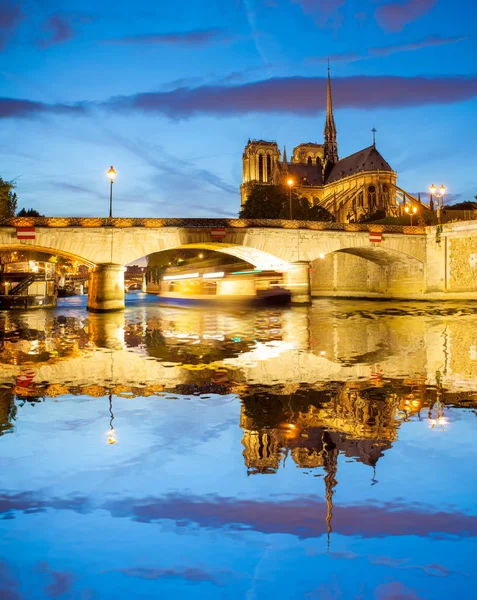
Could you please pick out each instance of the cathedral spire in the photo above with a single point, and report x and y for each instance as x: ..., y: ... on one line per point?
x: 331, y: 145
x: 330, y: 467
x: 284, y: 161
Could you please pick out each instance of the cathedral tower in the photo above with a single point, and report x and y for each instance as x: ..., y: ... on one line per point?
x: 259, y: 163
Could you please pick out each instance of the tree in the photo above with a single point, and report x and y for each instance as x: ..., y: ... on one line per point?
x: 264, y: 202
x: 467, y: 205
x: 29, y: 212
x: 273, y: 202
x: 8, y: 199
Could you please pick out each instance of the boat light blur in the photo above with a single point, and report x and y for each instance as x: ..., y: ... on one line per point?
x: 182, y: 276
x: 247, y: 272
x: 217, y: 275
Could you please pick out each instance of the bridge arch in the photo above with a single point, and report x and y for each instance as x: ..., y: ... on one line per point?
x: 17, y: 247
x: 367, y: 271
x: 258, y: 258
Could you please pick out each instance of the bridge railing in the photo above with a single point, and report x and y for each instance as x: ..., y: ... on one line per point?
x: 124, y: 222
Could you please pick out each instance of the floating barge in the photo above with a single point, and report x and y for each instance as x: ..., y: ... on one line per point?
x: 27, y: 285
x: 224, y: 285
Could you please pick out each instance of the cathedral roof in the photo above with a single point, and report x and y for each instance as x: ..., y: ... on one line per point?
x: 313, y: 173
x: 368, y: 159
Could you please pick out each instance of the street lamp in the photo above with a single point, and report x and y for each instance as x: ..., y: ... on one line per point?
x: 111, y: 175
x: 290, y: 183
x: 411, y: 211
x: 438, y: 194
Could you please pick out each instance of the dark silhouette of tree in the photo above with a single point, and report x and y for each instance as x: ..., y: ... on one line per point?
x: 265, y: 202
x: 273, y: 202
x: 468, y: 205
x: 8, y: 199
x: 29, y: 212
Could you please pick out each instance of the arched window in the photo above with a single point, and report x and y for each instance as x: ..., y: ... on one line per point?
x: 269, y: 168
x: 385, y: 195
x: 317, y: 160
x: 372, y: 196
x: 310, y: 160
x: 260, y: 167
x: 360, y: 199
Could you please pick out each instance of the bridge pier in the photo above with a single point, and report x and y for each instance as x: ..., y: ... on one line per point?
x: 297, y: 280
x: 106, y: 288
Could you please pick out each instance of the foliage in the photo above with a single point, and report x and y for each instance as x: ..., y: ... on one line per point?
x: 468, y: 205
x: 29, y: 212
x: 264, y: 202
x: 273, y: 202
x: 8, y: 199
x: 377, y: 215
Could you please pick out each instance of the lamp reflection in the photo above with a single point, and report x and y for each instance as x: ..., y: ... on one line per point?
x: 111, y: 433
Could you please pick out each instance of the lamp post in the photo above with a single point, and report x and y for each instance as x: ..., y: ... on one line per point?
x: 411, y: 210
x: 290, y: 183
x: 438, y: 194
x: 111, y: 175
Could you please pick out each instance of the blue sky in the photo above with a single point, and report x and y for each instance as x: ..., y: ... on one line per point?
x: 170, y: 93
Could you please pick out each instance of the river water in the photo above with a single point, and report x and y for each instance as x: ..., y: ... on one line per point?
x: 325, y: 452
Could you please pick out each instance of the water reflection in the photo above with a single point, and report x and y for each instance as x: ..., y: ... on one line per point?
x: 210, y: 450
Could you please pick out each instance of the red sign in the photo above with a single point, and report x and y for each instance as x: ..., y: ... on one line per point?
x: 25, y: 378
x: 26, y: 233
x: 375, y: 236
x: 218, y: 232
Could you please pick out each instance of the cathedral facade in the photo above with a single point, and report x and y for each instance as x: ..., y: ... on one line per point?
x: 350, y: 188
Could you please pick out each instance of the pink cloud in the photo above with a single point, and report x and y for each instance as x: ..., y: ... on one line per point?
x: 396, y: 15
x: 11, y: 15
x: 294, y: 95
x: 199, y: 37
x: 429, y: 41
x: 299, y: 95
x: 324, y: 11
x: 395, y: 590
x: 58, y: 29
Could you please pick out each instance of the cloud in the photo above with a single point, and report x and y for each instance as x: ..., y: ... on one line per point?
x: 198, y: 37
x: 301, y: 517
x: 299, y: 95
x: 11, y: 15
x: 295, y: 95
x: 58, y: 29
x: 17, y: 108
x: 429, y: 41
x: 62, y: 581
x: 395, y: 16
x: 395, y: 590
x: 9, y: 583
x: 77, y: 189
x: 325, y: 12
x: 190, y: 574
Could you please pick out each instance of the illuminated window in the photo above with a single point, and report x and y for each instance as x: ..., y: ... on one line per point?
x: 260, y: 167
x: 371, y: 196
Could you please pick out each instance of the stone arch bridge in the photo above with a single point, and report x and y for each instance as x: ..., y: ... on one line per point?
x: 337, y: 259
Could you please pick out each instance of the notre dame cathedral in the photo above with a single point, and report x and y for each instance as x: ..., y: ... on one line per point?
x: 350, y: 188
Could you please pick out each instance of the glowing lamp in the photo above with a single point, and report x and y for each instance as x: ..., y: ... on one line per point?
x: 111, y: 173
x: 290, y: 182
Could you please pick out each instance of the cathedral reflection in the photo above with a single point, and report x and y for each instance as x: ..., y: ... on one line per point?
x: 312, y: 426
